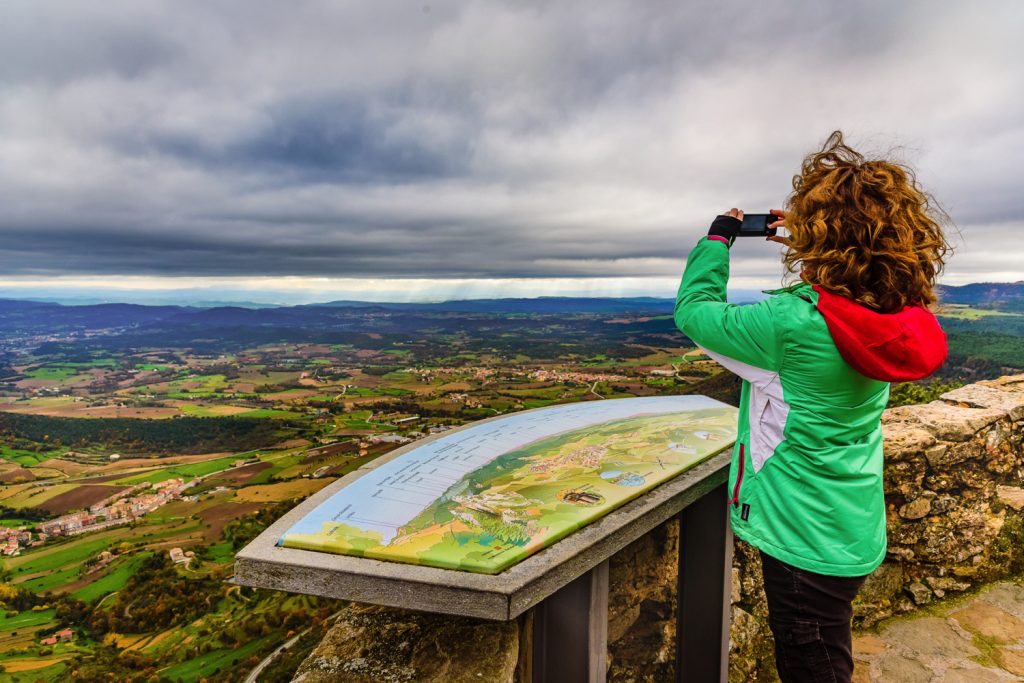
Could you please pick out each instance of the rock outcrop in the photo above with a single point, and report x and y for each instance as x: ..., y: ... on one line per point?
x: 370, y: 644
x: 954, y: 479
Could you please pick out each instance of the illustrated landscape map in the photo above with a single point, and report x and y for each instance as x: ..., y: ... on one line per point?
x: 485, y: 497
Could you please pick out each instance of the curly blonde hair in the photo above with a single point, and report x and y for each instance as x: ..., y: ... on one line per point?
x: 864, y: 229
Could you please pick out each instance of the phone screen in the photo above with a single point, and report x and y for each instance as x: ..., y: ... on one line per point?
x: 756, y: 224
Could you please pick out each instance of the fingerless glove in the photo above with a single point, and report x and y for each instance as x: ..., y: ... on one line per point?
x: 725, y: 227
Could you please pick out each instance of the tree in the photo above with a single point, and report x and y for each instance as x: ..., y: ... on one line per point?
x: 909, y: 393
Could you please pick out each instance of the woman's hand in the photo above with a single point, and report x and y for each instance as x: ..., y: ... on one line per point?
x: 726, y: 226
x: 780, y: 223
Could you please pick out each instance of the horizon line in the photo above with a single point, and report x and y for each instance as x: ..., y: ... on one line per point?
x: 212, y: 301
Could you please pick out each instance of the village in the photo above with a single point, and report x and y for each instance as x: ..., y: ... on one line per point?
x: 122, y: 507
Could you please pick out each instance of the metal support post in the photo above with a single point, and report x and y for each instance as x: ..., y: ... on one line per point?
x: 705, y: 577
x: 570, y: 631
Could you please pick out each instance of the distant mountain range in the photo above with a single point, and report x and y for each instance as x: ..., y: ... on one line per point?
x: 982, y: 293
x: 543, y: 304
x: 29, y: 318
x: 24, y: 317
x: 988, y: 294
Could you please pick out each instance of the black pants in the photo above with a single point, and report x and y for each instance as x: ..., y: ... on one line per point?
x: 810, y: 616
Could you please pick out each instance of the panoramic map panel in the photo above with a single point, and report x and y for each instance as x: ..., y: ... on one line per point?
x: 485, y: 497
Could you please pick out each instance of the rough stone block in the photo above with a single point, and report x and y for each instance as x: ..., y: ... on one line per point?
x: 946, y: 583
x: 641, y: 604
x: 378, y: 644
x: 1011, y: 495
x: 944, y: 421
x: 896, y: 667
x: 917, y: 508
x: 1008, y: 597
x: 972, y: 674
x: 1011, y: 660
x: 868, y: 645
x: 931, y: 636
x: 936, y: 454
x: 882, y: 584
x: 919, y: 593
x: 902, y: 440
x: 982, y: 396
x: 1011, y: 383
x: 990, y: 622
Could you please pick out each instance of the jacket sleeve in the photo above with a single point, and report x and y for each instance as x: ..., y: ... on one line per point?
x: 750, y: 334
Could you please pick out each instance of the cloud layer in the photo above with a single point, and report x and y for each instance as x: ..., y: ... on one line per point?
x: 481, y: 139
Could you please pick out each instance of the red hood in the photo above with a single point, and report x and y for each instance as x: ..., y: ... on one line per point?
x: 892, y: 347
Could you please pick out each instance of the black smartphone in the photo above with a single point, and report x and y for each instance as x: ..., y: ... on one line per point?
x: 756, y: 225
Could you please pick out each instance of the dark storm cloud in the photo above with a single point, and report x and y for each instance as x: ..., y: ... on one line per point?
x: 478, y: 139
x: 324, y: 139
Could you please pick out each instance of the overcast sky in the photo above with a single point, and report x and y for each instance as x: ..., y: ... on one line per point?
x: 407, y: 150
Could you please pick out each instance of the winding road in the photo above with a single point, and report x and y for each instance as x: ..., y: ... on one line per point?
x: 255, y: 673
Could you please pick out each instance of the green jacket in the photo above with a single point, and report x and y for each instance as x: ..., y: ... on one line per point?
x: 806, y: 476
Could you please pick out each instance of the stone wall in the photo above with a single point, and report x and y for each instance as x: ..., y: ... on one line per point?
x: 954, y: 495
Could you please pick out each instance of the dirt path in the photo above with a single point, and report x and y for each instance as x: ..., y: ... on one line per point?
x: 979, y: 639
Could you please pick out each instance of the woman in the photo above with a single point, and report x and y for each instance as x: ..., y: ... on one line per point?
x: 817, y: 358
